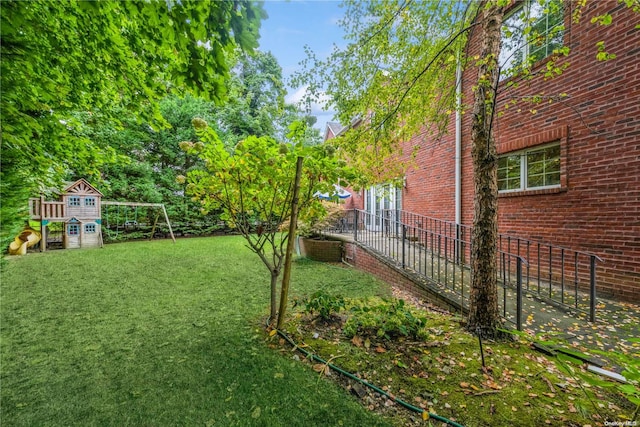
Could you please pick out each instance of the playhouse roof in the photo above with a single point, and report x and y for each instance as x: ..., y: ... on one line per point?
x: 81, y: 186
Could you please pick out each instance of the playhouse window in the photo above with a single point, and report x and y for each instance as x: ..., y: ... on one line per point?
x: 90, y: 201
x: 73, y: 229
x: 530, y: 33
x: 74, y: 201
x: 530, y: 169
x: 90, y: 228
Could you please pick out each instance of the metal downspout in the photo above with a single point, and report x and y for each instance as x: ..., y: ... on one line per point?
x: 458, y: 159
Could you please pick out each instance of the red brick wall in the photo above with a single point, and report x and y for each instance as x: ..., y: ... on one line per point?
x: 404, y: 280
x: 356, y: 201
x: 430, y: 183
x: 597, y: 208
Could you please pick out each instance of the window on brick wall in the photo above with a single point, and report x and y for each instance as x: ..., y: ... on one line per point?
x: 530, y: 169
x: 530, y: 32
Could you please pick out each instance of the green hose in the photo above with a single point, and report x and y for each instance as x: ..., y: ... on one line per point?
x: 364, y: 382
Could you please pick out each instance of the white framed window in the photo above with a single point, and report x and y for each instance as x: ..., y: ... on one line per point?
x: 89, y: 228
x: 74, y: 201
x: 531, y: 32
x: 73, y: 229
x: 89, y: 201
x: 530, y: 169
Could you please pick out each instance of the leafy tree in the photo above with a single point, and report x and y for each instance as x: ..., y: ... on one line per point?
x: 396, y: 76
x: 149, y: 160
x: 292, y: 114
x: 59, y: 57
x: 256, y: 99
x: 253, y: 185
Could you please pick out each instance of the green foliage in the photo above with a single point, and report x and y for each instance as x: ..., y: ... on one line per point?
x: 252, y: 186
x: 324, y: 303
x: 602, y: 54
x: 256, y: 99
x: 63, y: 57
x: 396, y: 75
x: 388, y: 319
x: 319, y: 217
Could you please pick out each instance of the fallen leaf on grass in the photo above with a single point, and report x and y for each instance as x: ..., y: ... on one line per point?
x: 493, y: 385
x: 321, y: 368
x: 380, y: 349
x: 464, y: 385
x: 357, y: 341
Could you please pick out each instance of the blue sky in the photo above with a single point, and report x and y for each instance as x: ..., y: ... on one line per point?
x: 292, y: 25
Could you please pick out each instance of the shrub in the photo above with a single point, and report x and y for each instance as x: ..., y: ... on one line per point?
x: 319, y: 218
x: 325, y: 304
x: 389, y: 319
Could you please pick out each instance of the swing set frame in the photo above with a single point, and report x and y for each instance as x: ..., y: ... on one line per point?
x: 148, y: 205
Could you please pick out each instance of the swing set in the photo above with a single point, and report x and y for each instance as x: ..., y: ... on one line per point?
x: 133, y: 223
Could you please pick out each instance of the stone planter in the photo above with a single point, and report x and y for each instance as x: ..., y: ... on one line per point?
x: 319, y: 249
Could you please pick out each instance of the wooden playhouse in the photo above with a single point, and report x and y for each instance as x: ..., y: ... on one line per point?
x: 78, y: 208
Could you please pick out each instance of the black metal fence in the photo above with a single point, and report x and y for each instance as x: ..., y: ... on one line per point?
x: 439, y: 251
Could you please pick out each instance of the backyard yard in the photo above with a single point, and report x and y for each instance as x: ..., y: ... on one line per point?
x: 159, y: 334
x: 164, y: 334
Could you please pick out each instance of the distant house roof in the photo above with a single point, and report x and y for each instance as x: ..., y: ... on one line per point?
x: 333, y: 129
x: 81, y: 186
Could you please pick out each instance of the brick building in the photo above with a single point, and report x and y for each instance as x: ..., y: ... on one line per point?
x: 569, y: 172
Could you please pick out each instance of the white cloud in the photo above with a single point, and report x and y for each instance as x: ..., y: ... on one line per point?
x: 319, y: 108
x: 298, y: 97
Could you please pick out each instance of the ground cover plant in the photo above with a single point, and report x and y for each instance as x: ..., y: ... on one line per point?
x: 158, y: 334
x: 425, y: 358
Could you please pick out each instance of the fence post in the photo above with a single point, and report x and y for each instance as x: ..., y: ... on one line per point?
x: 592, y: 296
x: 355, y: 225
x: 457, y: 247
x: 519, y: 293
x: 404, y: 237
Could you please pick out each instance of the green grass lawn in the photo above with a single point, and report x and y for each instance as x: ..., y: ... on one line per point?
x: 156, y: 334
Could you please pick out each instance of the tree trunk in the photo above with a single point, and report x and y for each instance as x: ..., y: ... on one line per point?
x: 274, y: 293
x: 484, y: 315
x: 293, y: 222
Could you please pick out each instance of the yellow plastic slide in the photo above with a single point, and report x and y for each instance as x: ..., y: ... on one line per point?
x: 28, y: 238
